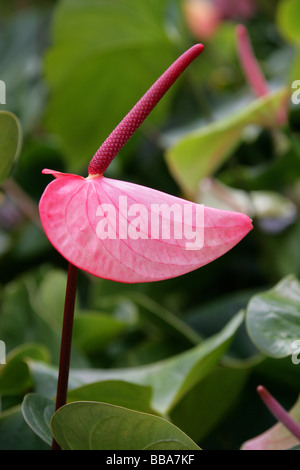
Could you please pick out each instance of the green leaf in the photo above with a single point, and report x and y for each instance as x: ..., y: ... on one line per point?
x: 173, y: 377
x: 96, y: 75
x: 200, y: 153
x: 170, y: 378
x: 51, y: 297
x: 288, y: 19
x: 37, y: 412
x: 115, y: 392
x: 14, y: 375
x: 164, y: 318
x: 24, y: 318
x: 93, y: 331
x: 10, y: 143
x: 15, y: 434
x: 295, y: 74
x: 273, y: 318
x: 44, y: 377
x: 109, y: 427
x: 276, y: 438
x: 210, y: 401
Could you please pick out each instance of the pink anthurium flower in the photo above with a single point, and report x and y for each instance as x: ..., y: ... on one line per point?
x: 126, y: 232
x: 129, y: 233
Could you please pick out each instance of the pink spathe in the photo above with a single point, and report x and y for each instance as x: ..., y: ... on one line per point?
x: 68, y: 210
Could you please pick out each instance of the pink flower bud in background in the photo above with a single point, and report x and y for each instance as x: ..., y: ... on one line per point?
x: 202, y: 18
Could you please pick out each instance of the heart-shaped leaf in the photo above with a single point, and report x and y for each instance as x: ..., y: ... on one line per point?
x: 37, y: 411
x: 273, y: 319
x: 109, y: 427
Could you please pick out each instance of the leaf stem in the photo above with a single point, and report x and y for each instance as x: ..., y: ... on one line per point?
x: 66, y: 341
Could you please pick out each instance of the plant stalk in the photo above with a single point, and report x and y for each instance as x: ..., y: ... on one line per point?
x: 66, y: 342
x: 278, y: 411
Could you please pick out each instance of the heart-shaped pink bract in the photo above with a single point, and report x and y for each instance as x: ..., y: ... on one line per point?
x: 119, y: 231
x: 126, y: 232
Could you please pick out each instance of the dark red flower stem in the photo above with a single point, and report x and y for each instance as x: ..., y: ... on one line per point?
x: 278, y: 411
x: 132, y: 121
x: 66, y: 342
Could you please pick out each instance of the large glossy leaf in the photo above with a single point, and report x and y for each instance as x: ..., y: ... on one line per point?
x: 273, y: 318
x: 10, y: 142
x: 170, y: 379
x: 116, y: 392
x: 210, y: 401
x: 108, y: 427
x: 200, y: 153
x: 98, y: 73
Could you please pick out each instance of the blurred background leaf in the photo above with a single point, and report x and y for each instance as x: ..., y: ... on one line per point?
x: 96, y: 75
x: 10, y: 143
